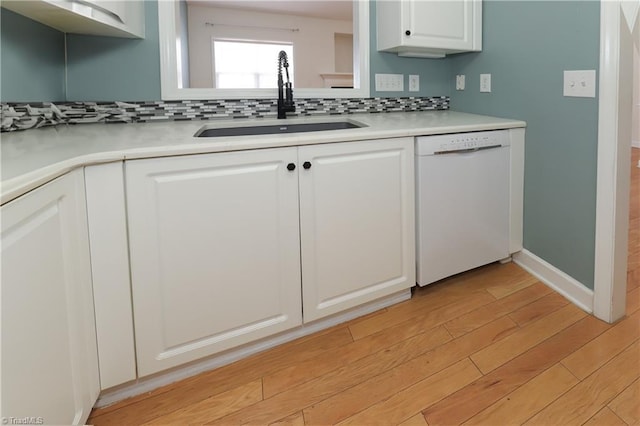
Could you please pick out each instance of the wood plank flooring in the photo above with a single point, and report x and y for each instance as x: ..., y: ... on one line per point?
x: 492, y: 346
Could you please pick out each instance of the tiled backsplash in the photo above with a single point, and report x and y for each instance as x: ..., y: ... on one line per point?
x: 21, y: 116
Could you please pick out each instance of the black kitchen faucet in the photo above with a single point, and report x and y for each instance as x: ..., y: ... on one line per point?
x: 285, y: 101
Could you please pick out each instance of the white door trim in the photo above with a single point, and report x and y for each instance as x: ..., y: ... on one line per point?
x: 612, y: 196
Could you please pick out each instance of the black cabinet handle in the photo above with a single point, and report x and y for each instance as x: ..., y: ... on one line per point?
x: 306, y: 165
x: 291, y: 167
x: 408, y: 32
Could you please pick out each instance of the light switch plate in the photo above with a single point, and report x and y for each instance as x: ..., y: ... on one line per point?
x: 485, y: 83
x: 414, y: 83
x: 390, y: 82
x: 460, y: 82
x: 580, y: 83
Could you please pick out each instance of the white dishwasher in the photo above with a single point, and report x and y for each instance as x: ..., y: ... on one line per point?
x: 462, y: 202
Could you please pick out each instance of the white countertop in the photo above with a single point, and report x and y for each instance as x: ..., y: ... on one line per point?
x: 33, y: 157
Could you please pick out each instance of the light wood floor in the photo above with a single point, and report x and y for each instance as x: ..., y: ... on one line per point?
x: 492, y: 346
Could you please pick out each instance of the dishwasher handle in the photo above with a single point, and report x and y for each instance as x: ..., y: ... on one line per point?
x: 465, y: 151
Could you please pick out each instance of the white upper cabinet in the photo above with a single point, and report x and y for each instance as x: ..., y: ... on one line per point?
x: 115, y: 18
x: 49, y: 356
x: 430, y: 29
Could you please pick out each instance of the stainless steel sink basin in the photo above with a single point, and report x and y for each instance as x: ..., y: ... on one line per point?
x: 277, y: 129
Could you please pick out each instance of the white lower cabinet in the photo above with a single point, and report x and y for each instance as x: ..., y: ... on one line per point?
x: 49, y: 369
x: 357, y: 223
x: 215, y: 255
x: 228, y: 248
x: 109, y: 247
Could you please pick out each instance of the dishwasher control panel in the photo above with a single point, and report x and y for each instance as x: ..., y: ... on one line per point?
x: 438, y: 144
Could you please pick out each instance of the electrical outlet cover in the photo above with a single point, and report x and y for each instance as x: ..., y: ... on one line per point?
x: 485, y: 83
x: 580, y: 84
x: 460, y: 82
x: 414, y: 83
x: 389, y: 82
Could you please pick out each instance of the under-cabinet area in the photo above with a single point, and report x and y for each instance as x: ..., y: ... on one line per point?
x: 156, y: 265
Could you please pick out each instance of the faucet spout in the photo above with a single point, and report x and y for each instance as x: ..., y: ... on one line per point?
x: 285, y: 90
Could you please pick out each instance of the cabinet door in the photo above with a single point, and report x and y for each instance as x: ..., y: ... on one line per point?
x: 49, y: 356
x: 115, y: 18
x: 106, y: 211
x: 215, y: 255
x: 451, y: 25
x: 356, y: 222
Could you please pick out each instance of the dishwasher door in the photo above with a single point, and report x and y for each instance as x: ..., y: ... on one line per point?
x: 462, y: 211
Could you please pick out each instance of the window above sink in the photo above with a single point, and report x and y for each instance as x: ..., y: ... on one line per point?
x: 235, y: 67
x: 175, y: 53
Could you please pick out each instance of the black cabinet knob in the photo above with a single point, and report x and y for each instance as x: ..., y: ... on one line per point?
x: 408, y: 32
x: 291, y: 167
x: 306, y: 165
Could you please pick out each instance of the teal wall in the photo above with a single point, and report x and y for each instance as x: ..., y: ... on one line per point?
x: 435, y: 74
x: 32, y: 59
x: 110, y: 69
x: 526, y: 47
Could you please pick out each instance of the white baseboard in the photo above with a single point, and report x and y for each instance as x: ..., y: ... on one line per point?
x: 147, y: 384
x: 635, y: 143
x: 559, y: 281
